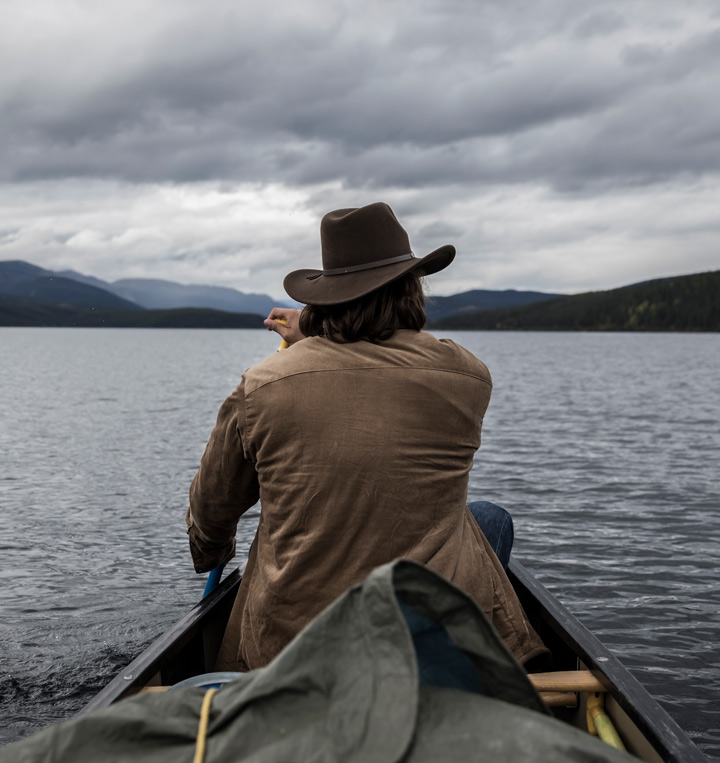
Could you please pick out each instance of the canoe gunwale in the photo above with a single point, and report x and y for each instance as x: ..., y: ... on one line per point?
x: 653, y: 721
x: 153, y: 659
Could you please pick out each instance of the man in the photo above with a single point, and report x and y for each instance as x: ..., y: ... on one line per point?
x: 358, y: 441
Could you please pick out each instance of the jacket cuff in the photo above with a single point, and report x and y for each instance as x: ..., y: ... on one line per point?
x: 207, y: 554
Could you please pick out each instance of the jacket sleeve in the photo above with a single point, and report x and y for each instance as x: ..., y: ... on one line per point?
x: 224, y: 488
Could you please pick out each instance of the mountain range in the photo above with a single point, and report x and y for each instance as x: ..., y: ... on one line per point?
x: 32, y: 288
x: 34, y: 296
x: 23, y: 280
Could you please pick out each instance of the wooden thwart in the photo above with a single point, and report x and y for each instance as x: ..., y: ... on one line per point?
x: 559, y: 698
x: 556, y: 688
x: 566, y: 681
x: 560, y: 682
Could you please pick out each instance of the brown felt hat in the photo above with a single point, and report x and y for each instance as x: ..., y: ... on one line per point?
x: 362, y: 250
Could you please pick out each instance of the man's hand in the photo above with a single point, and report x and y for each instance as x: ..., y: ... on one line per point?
x: 290, y: 333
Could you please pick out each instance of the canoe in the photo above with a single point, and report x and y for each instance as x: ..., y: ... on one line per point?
x: 585, y: 674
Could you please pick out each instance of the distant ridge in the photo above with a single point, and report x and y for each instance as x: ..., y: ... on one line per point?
x: 155, y: 293
x: 21, y: 280
x: 165, y: 295
x: 679, y: 303
x: 480, y: 299
x: 19, y: 312
x: 34, y: 296
x: 13, y: 271
x: 90, y: 280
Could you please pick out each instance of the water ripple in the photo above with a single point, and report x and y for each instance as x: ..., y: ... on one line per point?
x: 606, y: 448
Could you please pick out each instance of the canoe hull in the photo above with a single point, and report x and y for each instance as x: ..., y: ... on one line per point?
x: 190, y: 647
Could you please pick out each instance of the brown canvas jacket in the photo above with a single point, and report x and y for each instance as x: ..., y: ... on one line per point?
x: 360, y: 454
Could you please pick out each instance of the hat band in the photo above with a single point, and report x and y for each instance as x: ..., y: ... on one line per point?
x: 364, y: 266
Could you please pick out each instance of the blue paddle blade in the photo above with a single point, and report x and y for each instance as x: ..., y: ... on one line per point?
x: 213, y: 579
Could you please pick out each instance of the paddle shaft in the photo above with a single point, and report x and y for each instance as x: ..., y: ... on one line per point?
x: 283, y: 344
x: 213, y: 579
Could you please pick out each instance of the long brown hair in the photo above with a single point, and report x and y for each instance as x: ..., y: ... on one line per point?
x: 375, y: 317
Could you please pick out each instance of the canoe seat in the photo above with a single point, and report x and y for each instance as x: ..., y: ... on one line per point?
x: 560, y: 689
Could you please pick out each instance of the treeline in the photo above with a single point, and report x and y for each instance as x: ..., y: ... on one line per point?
x: 17, y: 312
x: 682, y: 303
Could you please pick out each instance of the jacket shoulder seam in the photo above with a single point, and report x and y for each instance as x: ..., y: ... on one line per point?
x: 370, y: 368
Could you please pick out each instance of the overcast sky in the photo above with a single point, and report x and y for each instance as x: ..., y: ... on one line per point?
x: 561, y: 146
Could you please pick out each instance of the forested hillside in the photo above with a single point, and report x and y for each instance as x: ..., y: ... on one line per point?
x: 32, y: 296
x: 16, y: 312
x: 682, y: 303
x: 480, y: 299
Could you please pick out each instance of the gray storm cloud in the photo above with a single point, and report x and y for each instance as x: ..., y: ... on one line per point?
x: 447, y: 97
x: 431, y: 103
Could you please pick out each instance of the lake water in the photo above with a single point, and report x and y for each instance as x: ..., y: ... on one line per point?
x: 605, y: 447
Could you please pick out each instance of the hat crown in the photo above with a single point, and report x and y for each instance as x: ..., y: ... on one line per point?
x: 360, y: 236
x: 363, y: 248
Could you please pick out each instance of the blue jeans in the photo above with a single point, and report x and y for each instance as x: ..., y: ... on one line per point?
x: 497, y: 526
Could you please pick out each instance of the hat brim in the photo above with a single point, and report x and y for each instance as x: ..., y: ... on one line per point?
x: 311, y: 287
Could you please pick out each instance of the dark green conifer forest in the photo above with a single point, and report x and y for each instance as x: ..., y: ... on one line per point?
x: 682, y: 303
